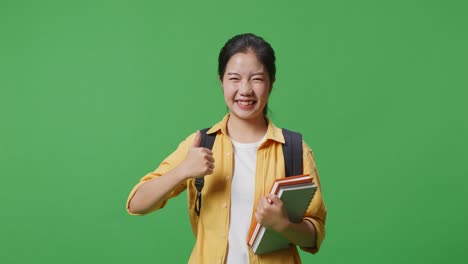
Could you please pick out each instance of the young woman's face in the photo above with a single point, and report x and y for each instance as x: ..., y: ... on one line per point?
x: 246, y: 86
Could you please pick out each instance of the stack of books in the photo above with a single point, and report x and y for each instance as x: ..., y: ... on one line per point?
x: 296, y: 193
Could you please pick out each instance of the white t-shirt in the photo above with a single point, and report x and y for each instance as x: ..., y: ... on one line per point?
x: 242, y: 195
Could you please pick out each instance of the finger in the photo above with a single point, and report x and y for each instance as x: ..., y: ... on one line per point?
x: 207, y: 151
x: 269, y: 201
x: 273, y: 198
x: 208, y: 164
x: 261, y: 211
x: 211, y: 165
x: 266, y: 202
x: 210, y: 158
x: 196, y: 142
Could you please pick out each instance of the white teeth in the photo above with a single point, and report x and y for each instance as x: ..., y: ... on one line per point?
x: 245, y: 103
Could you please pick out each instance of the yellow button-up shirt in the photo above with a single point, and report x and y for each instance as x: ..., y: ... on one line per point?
x: 212, y: 226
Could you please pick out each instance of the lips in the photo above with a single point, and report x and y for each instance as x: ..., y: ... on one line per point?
x: 245, y: 103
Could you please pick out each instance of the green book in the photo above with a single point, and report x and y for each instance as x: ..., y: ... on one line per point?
x: 296, y: 193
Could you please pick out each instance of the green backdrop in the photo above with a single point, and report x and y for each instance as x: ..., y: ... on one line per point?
x: 94, y: 94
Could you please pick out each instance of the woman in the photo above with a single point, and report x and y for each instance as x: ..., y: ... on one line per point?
x: 246, y: 158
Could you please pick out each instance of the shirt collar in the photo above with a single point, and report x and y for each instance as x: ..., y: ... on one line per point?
x: 273, y: 132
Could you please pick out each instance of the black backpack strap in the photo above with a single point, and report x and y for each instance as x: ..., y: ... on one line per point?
x: 292, y: 151
x: 207, y: 141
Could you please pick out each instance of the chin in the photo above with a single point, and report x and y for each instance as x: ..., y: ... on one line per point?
x: 247, y: 115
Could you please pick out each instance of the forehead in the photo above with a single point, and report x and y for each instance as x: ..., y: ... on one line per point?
x: 244, y: 63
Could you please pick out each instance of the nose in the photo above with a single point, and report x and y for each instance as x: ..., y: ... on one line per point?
x: 245, y: 89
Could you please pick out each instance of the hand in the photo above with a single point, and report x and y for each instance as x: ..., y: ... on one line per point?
x: 271, y: 213
x: 198, y: 162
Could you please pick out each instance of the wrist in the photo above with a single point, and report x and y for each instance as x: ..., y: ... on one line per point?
x: 181, y: 173
x: 284, y: 226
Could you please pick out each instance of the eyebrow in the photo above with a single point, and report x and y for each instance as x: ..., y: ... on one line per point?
x: 257, y: 73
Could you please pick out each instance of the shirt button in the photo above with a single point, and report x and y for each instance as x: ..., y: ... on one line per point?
x: 224, y: 205
x: 227, y: 178
x: 228, y: 153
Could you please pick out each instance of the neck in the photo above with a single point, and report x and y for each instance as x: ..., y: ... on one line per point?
x: 246, y: 131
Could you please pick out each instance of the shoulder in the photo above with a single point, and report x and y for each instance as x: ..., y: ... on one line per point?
x: 291, y: 135
x: 296, y: 136
x: 184, y: 145
x: 189, y: 140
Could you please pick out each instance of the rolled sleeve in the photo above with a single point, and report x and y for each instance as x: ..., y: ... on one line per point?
x: 167, y: 165
x: 316, y: 212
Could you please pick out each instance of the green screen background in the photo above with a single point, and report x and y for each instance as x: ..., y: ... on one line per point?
x: 94, y: 94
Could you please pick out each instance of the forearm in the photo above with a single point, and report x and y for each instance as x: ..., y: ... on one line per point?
x: 302, y: 234
x: 151, y: 194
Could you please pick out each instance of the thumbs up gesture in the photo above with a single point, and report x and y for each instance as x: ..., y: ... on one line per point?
x: 198, y: 162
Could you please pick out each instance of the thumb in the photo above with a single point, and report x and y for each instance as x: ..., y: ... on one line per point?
x: 196, y: 142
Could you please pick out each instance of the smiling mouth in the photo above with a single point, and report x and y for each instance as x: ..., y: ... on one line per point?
x: 245, y: 103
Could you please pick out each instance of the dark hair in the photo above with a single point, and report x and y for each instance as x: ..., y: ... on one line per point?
x: 243, y: 43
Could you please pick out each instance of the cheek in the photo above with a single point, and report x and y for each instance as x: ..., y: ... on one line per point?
x: 229, y: 90
x: 227, y: 93
x: 263, y: 92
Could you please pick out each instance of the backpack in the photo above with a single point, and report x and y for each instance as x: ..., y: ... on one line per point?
x: 292, y: 151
